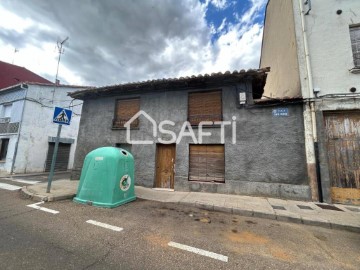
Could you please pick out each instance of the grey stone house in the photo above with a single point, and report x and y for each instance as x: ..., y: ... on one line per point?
x: 262, y: 152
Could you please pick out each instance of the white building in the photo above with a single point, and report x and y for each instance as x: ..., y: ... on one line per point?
x: 27, y: 132
x: 313, y: 50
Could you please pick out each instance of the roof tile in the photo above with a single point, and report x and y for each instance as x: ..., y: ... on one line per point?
x: 12, y: 75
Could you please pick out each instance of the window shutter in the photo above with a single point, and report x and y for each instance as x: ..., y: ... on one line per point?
x: 125, y: 109
x: 205, y: 106
x: 197, y: 163
x: 207, y: 163
x: 355, y: 44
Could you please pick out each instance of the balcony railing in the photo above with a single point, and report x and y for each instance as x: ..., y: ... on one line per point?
x: 6, y: 127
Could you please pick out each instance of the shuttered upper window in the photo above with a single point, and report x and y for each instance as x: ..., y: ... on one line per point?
x: 355, y: 44
x: 125, y: 109
x: 207, y: 163
x: 204, y: 106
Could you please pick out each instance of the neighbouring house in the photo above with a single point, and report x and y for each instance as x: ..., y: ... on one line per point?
x: 264, y: 155
x: 313, y: 50
x: 27, y: 134
x: 12, y: 74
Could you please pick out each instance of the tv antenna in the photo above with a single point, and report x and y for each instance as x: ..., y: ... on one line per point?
x: 15, y: 51
x: 59, y: 45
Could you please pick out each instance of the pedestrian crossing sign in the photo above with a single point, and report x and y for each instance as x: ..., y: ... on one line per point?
x: 62, y: 116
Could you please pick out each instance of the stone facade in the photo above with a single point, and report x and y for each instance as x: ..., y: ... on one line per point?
x: 268, y: 158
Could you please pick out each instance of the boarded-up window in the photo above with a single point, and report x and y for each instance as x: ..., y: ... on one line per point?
x: 125, y: 109
x: 204, y: 106
x: 355, y: 44
x: 207, y: 163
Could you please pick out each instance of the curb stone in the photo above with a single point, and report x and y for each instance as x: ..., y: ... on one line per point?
x: 204, y: 206
x: 290, y: 219
x: 222, y: 209
x: 243, y: 212
x: 41, y: 198
x: 264, y: 215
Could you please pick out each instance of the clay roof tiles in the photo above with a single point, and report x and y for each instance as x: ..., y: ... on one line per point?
x: 257, y: 76
x: 11, y: 75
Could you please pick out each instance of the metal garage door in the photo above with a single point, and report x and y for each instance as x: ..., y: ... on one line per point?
x: 343, y: 145
x: 62, y: 160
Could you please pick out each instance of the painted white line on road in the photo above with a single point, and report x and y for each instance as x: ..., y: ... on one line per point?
x: 104, y: 225
x: 30, y: 182
x: 199, y: 251
x: 36, y: 206
x: 9, y: 187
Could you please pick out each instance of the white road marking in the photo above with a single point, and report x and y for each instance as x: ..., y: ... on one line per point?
x: 36, y: 206
x: 199, y: 251
x: 30, y: 182
x: 104, y: 225
x: 9, y: 187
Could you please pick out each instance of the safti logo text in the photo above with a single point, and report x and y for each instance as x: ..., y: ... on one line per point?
x: 185, y: 131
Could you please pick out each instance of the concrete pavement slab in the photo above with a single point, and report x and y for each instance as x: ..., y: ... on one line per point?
x: 60, y: 190
x: 263, y: 208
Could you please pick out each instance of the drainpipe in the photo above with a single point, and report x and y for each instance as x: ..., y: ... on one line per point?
x: 18, y: 135
x: 310, y: 118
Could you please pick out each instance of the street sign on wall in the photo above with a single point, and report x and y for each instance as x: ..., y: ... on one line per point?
x: 280, y: 112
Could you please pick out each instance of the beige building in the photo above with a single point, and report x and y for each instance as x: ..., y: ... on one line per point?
x: 313, y: 49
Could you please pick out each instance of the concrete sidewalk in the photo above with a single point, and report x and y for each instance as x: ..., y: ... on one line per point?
x: 26, y: 175
x: 309, y: 213
x: 60, y: 190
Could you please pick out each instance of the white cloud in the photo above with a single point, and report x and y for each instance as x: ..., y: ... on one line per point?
x: 114, y: 42
x: 219, y: 4
x: 13, y: 22
x: 253, y: 12
x: 238, y: 45
x: 222, y: 26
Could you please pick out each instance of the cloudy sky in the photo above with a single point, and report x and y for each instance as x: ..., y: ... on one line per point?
x: 118, y: 41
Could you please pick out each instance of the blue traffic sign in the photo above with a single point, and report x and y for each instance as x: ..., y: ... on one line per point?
x: 62, y: 116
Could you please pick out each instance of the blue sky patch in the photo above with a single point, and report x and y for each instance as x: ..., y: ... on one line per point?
x: 231, y: 13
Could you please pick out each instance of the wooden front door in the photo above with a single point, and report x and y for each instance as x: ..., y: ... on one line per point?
x: 343, y: 145
x: 165, y: 166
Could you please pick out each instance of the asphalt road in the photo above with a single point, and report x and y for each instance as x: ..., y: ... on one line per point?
x: 34, y: 239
